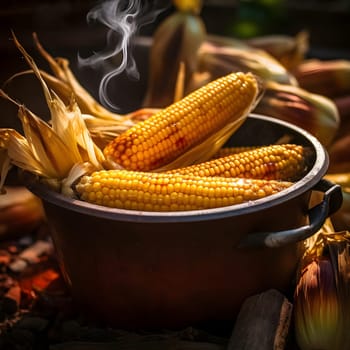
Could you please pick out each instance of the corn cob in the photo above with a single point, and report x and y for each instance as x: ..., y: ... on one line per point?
x: 149, y: 191
x: 275, y: 162
x: 169, y: 133
x: 227, y: 151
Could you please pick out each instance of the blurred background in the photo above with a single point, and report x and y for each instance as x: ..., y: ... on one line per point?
x: 63, y: 30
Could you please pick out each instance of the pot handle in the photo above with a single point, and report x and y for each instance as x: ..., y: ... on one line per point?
x: 331, y: 202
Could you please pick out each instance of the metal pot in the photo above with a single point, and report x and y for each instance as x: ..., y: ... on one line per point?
x: 149, y: 269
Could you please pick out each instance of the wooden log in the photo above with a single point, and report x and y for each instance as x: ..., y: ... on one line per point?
x: 262, y: 323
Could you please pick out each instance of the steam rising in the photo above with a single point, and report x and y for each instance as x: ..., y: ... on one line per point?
x: 123, y: 20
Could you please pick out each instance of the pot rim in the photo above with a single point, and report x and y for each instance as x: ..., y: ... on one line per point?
x: 305, y: 184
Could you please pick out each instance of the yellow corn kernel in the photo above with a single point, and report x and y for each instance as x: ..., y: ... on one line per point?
x: 149, y: 191
x: 167, y: 134
x: 276, y: 162
x: 226, y: 151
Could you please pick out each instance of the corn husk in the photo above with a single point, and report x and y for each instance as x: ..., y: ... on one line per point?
x: 175, y: 42
x: 65, y: 84
x: 316, y: 307
x: 100, y: 121
x: 330, y: 78
x: 312, y: 112
x: 102, y: 124
x: 221, y: 60
x: 322, y: 294
x: 49, y: 151
x: 290, y: 51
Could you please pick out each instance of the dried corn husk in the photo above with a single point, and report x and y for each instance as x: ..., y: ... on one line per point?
x: 312, y: 112
x: 100, y: 121
x: 102, y: 124
x: 330, y: 78
x: 47, y: 150
x: 221, y: 60
x: 176, y: 40
x: 64, y: 83
x: 322, y: 295
x: 316, y: 307
x: 290, y: 51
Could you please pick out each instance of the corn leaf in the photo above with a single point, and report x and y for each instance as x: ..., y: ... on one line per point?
x: 18, y: 151
x: 46, y: 146
x: 70, y: 85
x: 221, y: 60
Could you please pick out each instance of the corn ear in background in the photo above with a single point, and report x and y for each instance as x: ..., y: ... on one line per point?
x: 317, y: 310
x: 176, y: 41
x: 312, y: 112
x: 330, y: 78
x: 226, y: 41
x: 221, y: 60
x: 290, y: 51
x: 322, y: 294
